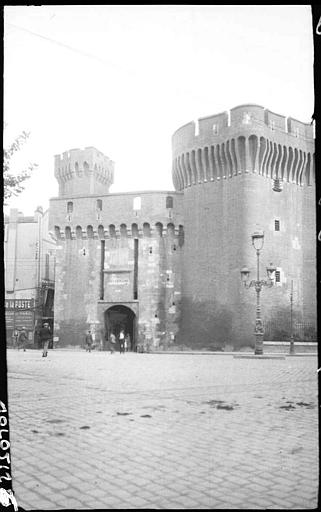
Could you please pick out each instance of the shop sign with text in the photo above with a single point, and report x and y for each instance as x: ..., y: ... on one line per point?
x: 19, y: 304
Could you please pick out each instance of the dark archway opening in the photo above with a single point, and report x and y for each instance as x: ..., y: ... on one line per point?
x: 117, y: 318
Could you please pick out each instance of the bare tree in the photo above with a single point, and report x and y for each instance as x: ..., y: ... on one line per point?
x: 12, y: 183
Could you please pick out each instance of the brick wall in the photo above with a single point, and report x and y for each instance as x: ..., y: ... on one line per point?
x: 77, y: 296
x: 117, y: 209
x: 219, y: 219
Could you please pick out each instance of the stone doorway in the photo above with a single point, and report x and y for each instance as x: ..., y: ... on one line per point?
x: 121, y: 317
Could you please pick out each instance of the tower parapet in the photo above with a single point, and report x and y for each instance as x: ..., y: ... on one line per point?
x: 248, y: 138
x: 83, y: 172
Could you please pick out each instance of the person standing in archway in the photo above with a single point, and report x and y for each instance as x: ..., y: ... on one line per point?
x: 122, y: 342
x: 127, y: 342
x: 112, y: 342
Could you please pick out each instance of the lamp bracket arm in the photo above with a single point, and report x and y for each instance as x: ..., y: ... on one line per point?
x: 250, y: 284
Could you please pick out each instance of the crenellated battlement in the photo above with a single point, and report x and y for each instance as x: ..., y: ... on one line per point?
x: 134, y: 230
x: 248, y: 138
x: 83, y: 171
x: 242, y: 117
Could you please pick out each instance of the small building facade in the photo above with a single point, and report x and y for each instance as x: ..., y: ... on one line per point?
x: 29, y: 261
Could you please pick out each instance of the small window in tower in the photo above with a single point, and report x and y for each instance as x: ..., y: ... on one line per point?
x: 215, y: 129
x: 276, y: 225
x: 70, y: 206
x: 174, y: 247
x: 272, y: 125
x: 277, y: 276
x: 169, y: 202
x: 150, y: 250
x: 99, y: 205
x: 137, y: 203
x: 246, y: 118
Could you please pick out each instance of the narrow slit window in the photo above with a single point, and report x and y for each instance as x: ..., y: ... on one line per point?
x: 47, y: 267
x: 70, y: 207
x: 169, y: 202
x: 276, y: 225
x: 277, y: 276
x: 99, y: 205
x: 136, y: 269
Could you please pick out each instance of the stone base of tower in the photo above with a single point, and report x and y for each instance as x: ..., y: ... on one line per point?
x: 209, y: 325
x: 71, y: 333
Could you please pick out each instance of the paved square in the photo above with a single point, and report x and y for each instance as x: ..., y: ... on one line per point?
x: 163, y: 431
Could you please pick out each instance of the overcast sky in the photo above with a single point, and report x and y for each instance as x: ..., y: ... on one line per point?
x: 124, y: 78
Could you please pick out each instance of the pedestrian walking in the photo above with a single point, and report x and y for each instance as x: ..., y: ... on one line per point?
x: 89, y: 341
x: 112, y: 342
x: 22, y: 339
x: 121, y: 342
x: 15, y: 339
x: 45, y: 337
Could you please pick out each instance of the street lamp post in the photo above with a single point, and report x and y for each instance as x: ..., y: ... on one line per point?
x: 257, y: 242
x: 291, y: 320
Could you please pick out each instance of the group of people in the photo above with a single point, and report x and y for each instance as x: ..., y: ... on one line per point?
x: 45, y: 336
x: 122, y: 339
x: 20, y: 338
x: 123, y: 342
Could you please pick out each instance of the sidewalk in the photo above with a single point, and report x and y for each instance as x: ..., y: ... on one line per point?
x: 193, y: 352
x: 142, y: 431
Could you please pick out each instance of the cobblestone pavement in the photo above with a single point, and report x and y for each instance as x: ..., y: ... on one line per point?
x: 95, y: 430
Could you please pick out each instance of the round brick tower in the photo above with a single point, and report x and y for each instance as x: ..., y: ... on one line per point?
x: 240, y: 171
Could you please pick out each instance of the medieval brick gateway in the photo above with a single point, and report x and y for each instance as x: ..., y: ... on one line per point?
x: 174, y: 257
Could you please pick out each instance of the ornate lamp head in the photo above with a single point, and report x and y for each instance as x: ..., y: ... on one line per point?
x: 270, y: 269
x: 245, y: 274
x: 258, y: 240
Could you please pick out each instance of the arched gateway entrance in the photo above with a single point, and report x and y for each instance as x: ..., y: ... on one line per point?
x: 121, y: 317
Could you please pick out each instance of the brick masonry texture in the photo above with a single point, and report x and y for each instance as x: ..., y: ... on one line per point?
x: 192, y: 248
